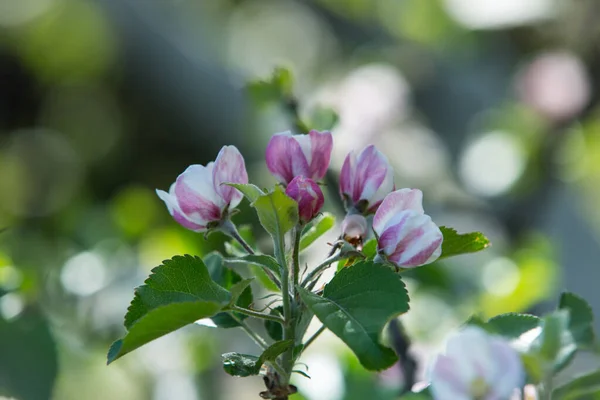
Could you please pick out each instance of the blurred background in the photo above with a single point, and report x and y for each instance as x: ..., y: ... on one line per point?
x: 490, y: 107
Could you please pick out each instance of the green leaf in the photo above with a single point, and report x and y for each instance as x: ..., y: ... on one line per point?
x: 252, y: 192
x: 234, y: 248
x: 228, y: 279
x: 159, y: 321
x: 578, y: 386
x: 263, y: 278
x: 277, y: 88
x: 260, y: 260
x: 513, y: 325
x: 555, y: 344
x: 274, y: 329
x: 243, y: 365
x: 323, y: 119
x: 455, y: 244
x: 316, y: 230
x: 28, y: 356
x: 357, y: 304
x: 370, y: 249
x: 176, y: 287
x: 277, y: 212
x: 581, y: 323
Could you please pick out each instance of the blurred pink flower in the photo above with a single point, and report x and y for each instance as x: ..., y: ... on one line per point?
x: 476, y: 365
x: 407, y: 236
x: 308, y: 195
x: 366, y: 179
x: 289, y: 156
x: 198, y: 197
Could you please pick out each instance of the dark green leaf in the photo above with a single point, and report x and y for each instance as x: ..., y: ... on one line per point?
x: 357, y: 304
x: 252, y: 192
x: 316, y: 230
x: 177, y: 293
x: 159, y: 321
x: 581, y: 323
x: 228, y: 279
x: 455, y: 244
x: 28, y: 359
x: 513, y: 325
x: 277, y: 212
x: 237, y: 364
x: 274, y: 329
x: 579, y: 385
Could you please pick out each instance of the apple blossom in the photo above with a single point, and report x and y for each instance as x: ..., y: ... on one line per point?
x: 198, y: 199
x: 308, y: 195
x: 290, y: 155
x: 365, y: 180
x: 354, y: 229
x: 407, y: 236
x: 476, y: 365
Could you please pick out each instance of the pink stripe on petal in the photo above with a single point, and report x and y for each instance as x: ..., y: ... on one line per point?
x: 186, y: 223
x: 395, y: 202
x: 321, y: 145
x: 371, y: 170
x: 424, y: 256
x: 196, y: 207
x: 285, y: 158
x: 229, y: 167
x: 347, y: 176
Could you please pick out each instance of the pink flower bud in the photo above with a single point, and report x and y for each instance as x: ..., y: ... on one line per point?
x: 365, y: 180
x: 476, y: 365
x: 407, y: 236
x: 354, y: 229
x: 290, y: 155
x: 308, y: 195
x: 198, y: 197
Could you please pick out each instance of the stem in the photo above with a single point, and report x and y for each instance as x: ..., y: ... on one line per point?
x: 229, y: 228
x: 256, y: 337
x: 288, y: 326
x: 546, y: 392
x: 316, y: 273
x: 314, y: 336
x: 296, y: 255
x: 256, y: 314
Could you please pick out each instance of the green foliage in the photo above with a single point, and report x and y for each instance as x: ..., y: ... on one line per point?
x: 277, y: 212
x: 323, y: 119
x: 319, y: 227
x: 252, y: 192
x: 27, y: 354
x: 274, y: 329
x: 357, y: 304
x: 243, y: 365
x: 160, y: 321
x: 228, y: 279
x: 260, y: 260
x: 278, y: 88
x: 455, y: 244
x: 582, y: 387
x: 177, y: 293
x: 512, y: 325
x: 581, y: 323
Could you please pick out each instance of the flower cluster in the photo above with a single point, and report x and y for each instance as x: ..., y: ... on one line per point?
x: 407, y: 237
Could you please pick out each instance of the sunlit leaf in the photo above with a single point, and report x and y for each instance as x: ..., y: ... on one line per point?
x: 455, y: 244
x: 357, y: 304
x: 252, y: 192
x: 319, y: 227
x: 277, y: 213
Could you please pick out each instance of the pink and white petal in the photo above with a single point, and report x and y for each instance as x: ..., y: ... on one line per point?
x: 196, y: 195
x: 385, y: 188
x: 176, y: 213
x: 395, y: 202
x: 321, y: 144
x: 347, y: 176
x: 394, y: 233
x: 229, y: 167
x: 470, y: 348
x: 285, y: 158
x: 446, y: 380
x: 306, y: 146
x: 371, y: 170
x: 422, y: 245
x: 508, y: 373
